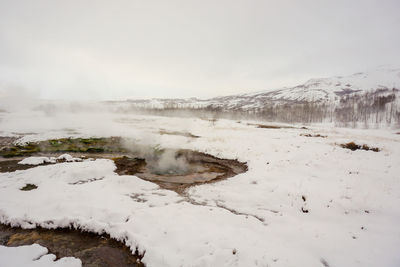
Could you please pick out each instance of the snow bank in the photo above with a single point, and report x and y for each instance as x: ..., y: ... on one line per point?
x: 42, y: 160
x: 33, y: 256
x: 37, y: 160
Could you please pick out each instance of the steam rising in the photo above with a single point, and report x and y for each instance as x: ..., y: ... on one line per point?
x: 160, y: 161
x: 170, y: 163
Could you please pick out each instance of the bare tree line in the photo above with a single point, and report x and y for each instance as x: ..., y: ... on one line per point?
x: 372, y: 108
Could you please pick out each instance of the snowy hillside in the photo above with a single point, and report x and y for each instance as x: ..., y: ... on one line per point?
x: 335, y: 87
x: 381, y: 81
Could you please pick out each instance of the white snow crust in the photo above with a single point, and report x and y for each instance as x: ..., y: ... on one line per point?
x: 33, y: 256
x: 42, y: 160
x: 37, y: 160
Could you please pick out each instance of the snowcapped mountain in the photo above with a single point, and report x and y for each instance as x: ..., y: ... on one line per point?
x: 335, y: 87
x: 321, y: 90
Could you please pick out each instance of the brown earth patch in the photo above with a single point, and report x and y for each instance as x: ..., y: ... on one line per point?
x: 29, y: 187
x: 314, y: 135
x: 353, y: 146
x: 12, y: 165
x: 92, y: 249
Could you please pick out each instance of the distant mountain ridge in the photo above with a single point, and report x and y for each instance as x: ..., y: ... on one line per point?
x: 321, y: 90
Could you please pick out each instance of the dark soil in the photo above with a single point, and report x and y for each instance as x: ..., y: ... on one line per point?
x: 29, y: 187
x: 12, y: 165
x: 314, y: 135
x: 304, y: 210
x: 129, y: 166
x: 353, y: 146
x: 92, y: 249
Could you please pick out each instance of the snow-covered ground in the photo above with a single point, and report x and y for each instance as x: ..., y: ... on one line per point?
x: 40, y: 160
x: 33, y: 256
x: 253, y: 219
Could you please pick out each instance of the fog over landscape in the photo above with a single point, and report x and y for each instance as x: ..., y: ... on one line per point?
x: 199, y: 133
x: 96, y: 50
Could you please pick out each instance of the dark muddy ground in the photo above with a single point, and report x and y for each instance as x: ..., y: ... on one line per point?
x: 12, y: 165
x: 353, y: 146
x: 93, y: 250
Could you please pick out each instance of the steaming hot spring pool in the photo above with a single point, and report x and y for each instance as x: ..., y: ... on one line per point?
x: 179, y: 169
x: 174, y: 169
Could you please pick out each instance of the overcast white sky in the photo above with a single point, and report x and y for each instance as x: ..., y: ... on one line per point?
x: 139, y: 49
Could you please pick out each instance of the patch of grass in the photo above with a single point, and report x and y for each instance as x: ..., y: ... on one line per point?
x: 92, y: 141
x: 28, y: 187
x: 65, y: 145
x: 95, y: 150
x: 19, y: 150
x: 55, y: 142
x: 353, y: 146
x: 77, y: 145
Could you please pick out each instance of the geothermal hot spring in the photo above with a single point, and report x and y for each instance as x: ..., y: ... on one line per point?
x: 172, y: 169
x: 178, y: 169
